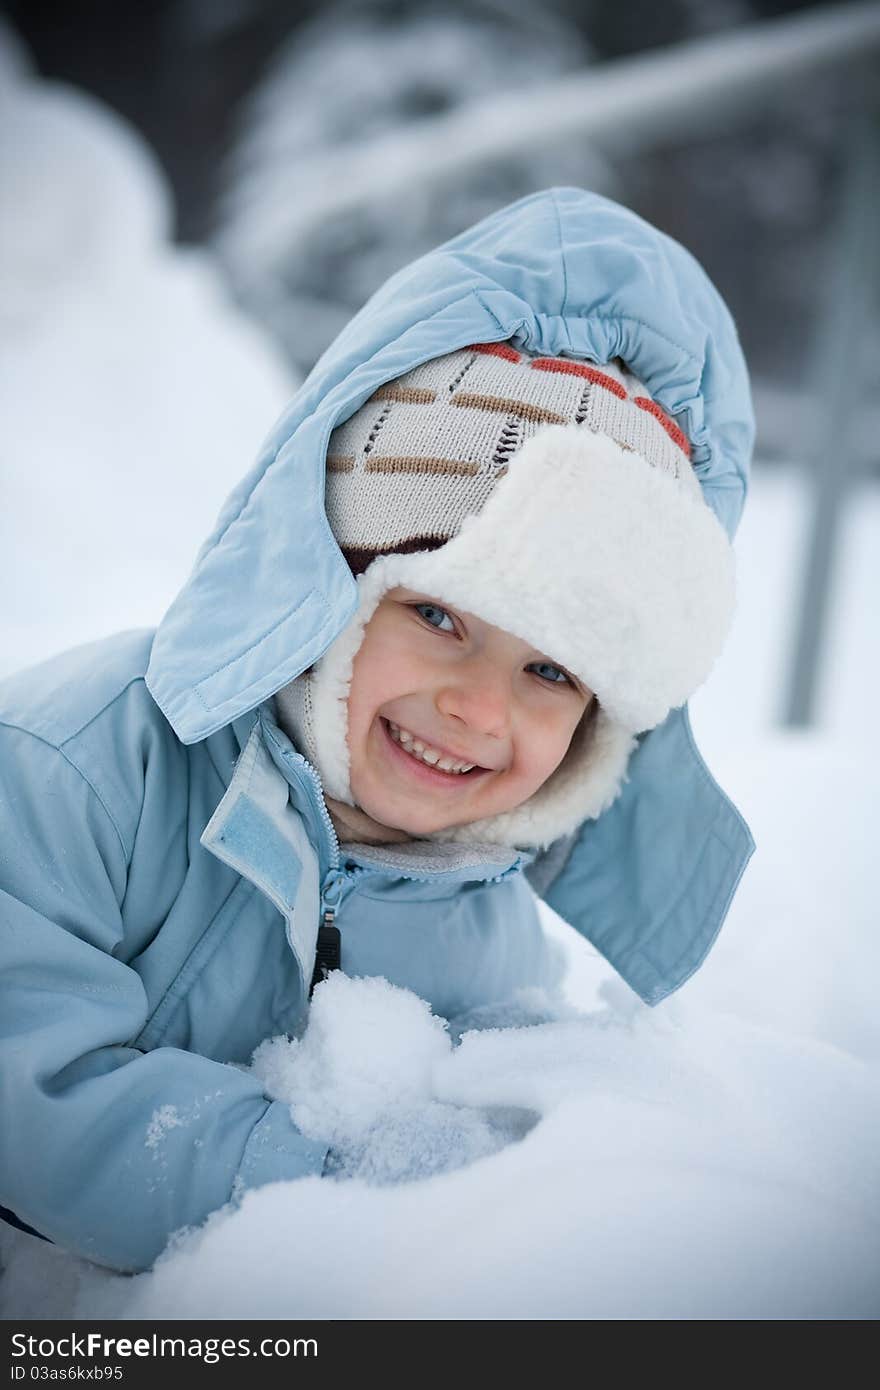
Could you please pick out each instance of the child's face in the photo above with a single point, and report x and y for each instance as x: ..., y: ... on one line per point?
x: 464, y: 687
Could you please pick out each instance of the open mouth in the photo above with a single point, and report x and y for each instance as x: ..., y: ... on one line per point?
x: 430, y: 776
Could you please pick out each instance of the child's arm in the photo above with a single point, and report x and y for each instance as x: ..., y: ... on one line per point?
x: 103, y: 1148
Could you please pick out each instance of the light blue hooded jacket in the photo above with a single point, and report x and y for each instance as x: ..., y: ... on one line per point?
x: 166, y: 853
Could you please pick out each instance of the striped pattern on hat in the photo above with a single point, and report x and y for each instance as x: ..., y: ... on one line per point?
x: 427, y: 449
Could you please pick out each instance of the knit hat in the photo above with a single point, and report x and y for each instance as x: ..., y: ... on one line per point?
x: 554, y: 499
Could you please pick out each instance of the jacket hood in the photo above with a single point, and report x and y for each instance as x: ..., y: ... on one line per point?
x: 559, y: 272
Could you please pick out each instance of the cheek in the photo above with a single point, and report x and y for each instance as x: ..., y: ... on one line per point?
x: 381, y: 671
x: 545, y: 746
x: 361, y: 697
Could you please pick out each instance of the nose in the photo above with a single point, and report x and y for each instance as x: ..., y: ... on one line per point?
x: 478, y: 695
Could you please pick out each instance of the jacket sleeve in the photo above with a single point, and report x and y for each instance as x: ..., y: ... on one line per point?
x: 105, y: 1149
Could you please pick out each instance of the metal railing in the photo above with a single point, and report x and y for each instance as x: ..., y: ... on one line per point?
x: 636, y: 103
x: 828, y: 446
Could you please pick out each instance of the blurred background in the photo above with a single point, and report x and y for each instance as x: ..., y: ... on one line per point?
x: 199, y: 193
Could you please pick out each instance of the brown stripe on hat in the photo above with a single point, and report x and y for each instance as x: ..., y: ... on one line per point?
x: 508, y: 406
x: 340, y: 463
x: 358, y: 558
x: 409, y: 395
x: 413, y: 463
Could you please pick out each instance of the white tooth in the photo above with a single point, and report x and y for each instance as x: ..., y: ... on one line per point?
x: 424, y: 752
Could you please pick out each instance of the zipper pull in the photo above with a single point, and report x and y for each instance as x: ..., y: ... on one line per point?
x: 328, y: 950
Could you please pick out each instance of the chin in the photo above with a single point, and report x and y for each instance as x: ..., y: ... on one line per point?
x: 380, y: 813
x: 410, y: 823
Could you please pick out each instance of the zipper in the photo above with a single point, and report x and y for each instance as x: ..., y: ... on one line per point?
x: 325, y: 814
x: 328, y: 948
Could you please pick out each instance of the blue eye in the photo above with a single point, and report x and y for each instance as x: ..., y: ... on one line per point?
x: 432, y: 608
x: 559, y: 679
x: 548, y: 667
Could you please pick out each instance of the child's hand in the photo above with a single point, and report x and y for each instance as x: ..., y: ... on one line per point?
x: 363, y: 1080
x: 419, y: 1141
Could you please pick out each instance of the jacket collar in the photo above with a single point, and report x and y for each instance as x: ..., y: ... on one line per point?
x: 649, y: 883
x: 273, y: 828
x: 282, y: 785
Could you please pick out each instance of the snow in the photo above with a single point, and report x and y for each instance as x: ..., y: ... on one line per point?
x: 165, y: 1118
x: 581, y: 1156
x: 363, y: 1080
x: 126, y: 376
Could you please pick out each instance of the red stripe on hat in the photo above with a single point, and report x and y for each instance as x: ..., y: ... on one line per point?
x: 561, y: 364
x: 495, y: 350
x: 675, y: 434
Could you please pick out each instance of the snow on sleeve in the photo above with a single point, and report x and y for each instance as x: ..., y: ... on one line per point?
x: 165, y: 1118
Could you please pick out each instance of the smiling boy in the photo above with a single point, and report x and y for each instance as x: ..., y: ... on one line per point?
x: 496, y: 522
x: 428, y: 681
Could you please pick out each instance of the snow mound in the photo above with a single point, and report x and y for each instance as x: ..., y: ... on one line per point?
x: 133, y: 393
x: 362, y: 1080
x: 672, y: 1162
